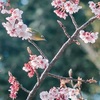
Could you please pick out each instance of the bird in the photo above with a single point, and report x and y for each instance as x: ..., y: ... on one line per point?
x: 36, y: 36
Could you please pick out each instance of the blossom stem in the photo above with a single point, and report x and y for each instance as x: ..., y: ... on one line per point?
x: 39, y: 50
x: 37, y: 75
x: 24, y: 89
x: 73, y: 21
x: 64, y: 28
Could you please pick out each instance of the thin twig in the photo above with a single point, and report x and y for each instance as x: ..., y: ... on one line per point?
x: 66, y: 78
x: 61, y: 77
x: 37, y: 75
x: 73, y: 21
x: 57, y: 56
x: 24, y: 89
x: 64, y: 28
x: 39, y: 50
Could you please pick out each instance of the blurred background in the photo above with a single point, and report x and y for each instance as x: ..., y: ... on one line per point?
x: 83, y: 59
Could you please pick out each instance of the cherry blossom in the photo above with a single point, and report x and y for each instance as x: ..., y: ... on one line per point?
x: 17, y: 14
x: 44, y: 95
x: 60, y: 11
x: 1, y: 5
x: 95, y: 7
x: 4, y: 6
x: 71, y: 7
x: 57, y: 93
x: 14, y: 88
x: 88, y: 37
x: 35, y: 63
x: 64, y: 7
x: 11, y: 79
x: 28, y: 68
x: 57, y: 3
x: 15, y: 26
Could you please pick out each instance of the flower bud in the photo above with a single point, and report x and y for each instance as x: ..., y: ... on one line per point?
x: 70, y: 73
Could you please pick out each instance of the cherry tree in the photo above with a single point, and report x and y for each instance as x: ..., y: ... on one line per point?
x: 15, y: 27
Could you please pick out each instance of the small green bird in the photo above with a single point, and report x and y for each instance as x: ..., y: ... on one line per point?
x: 35, y: 35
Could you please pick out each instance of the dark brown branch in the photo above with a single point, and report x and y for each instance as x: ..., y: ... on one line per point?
x: 64, y: 28
x: 66, y: 78
x: 39, y: 50
x: 24, y: 89
x: 57, y: 56
x: 73, y: 21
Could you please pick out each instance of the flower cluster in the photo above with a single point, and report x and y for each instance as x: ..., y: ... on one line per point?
x: 14, y: 88
x: 64, y: 7
x: 95, y: 7
x: 88, y: 37
x: 60, y: 94
x: 35, y: 63
x: 15, y: 26
x: 3, y: 7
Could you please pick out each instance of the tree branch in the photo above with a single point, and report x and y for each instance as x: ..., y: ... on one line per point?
x: 73, y: 21
x: 57, y: 56
x: 24, y: 89
x: 68, y: 78
x: 64, y: 28
x: 37, y: 76
x: 39, y: 50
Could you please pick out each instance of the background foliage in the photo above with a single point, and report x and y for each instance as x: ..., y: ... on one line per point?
x: 39, y: 15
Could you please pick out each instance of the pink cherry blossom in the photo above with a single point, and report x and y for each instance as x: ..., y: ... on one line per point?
x: 60, y: 13
x: 94, y: 8
x: 35, y: 63
x: 88, y: 37
x: 63, y: 7
x: 17, y: 14
x: 57, y: 93
x: 44, y: 95
x: 32, y: 57
x: 39, y: 62
x: 11, y: 78
x: 71, y: 7
x: 14, y: 88
x: 57, y: 3
x: 1, y: 5
x: 28, y: 68
x: 15, y: 26
x: 4, y: 6
x: 53, y: 92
